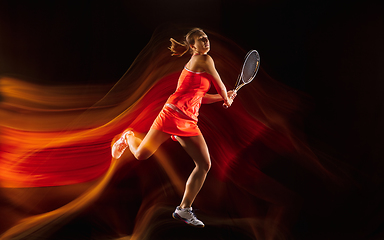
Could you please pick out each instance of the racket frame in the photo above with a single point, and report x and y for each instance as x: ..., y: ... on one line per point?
x: 240, y: 81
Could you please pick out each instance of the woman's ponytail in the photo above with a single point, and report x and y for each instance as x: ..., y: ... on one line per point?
x: 177, y: 48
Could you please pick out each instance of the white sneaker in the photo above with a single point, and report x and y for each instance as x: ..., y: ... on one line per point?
x: 120, y: 145
x: 186, y: 215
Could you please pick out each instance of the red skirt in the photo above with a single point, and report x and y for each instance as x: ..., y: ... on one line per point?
x: 171, y: 120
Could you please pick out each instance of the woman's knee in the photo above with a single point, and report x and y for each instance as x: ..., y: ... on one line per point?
x: 205, y: 165
x: 141, y: 156
x: 208, y: 166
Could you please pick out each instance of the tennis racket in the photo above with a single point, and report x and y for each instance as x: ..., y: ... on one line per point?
x: 248, y: 72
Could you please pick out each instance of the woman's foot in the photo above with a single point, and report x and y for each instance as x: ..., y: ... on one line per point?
x: 186, y: 215
x: 121, y: 144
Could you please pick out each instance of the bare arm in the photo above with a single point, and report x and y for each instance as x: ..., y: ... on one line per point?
x: 212, y: 98
x: 209, y: 66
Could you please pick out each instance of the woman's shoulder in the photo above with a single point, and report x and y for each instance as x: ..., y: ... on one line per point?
x: 204, y: 59
x: 200, y: 63
x: 202, y: 56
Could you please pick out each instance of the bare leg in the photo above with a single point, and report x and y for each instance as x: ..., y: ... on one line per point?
x: 198, y: 150
x: 143, y: 149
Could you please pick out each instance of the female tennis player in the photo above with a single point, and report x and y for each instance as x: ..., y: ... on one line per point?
x: 179, y: 116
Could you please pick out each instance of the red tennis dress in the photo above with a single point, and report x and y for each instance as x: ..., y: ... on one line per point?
x: 179, y: 114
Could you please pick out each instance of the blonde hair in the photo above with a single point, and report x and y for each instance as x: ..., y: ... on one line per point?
x: 180, y: 48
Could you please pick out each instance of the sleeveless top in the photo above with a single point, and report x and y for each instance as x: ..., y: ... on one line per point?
x: 191, y: 88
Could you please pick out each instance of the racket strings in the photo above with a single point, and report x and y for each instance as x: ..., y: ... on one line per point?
x: 250, y: 67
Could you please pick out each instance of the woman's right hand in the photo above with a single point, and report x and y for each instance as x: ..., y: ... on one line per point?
x: 228, y: 102
x: 232, y: 94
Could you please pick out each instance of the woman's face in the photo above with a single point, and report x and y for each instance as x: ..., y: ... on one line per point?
x: 201, y: 45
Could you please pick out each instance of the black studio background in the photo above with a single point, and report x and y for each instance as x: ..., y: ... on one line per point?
x: 331, y: 50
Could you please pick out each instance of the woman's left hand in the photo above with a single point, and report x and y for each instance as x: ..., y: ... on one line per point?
x: 232, y: 94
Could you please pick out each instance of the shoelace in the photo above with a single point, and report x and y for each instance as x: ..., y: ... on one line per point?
x: 194, y: 219
x: 192, y: 214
